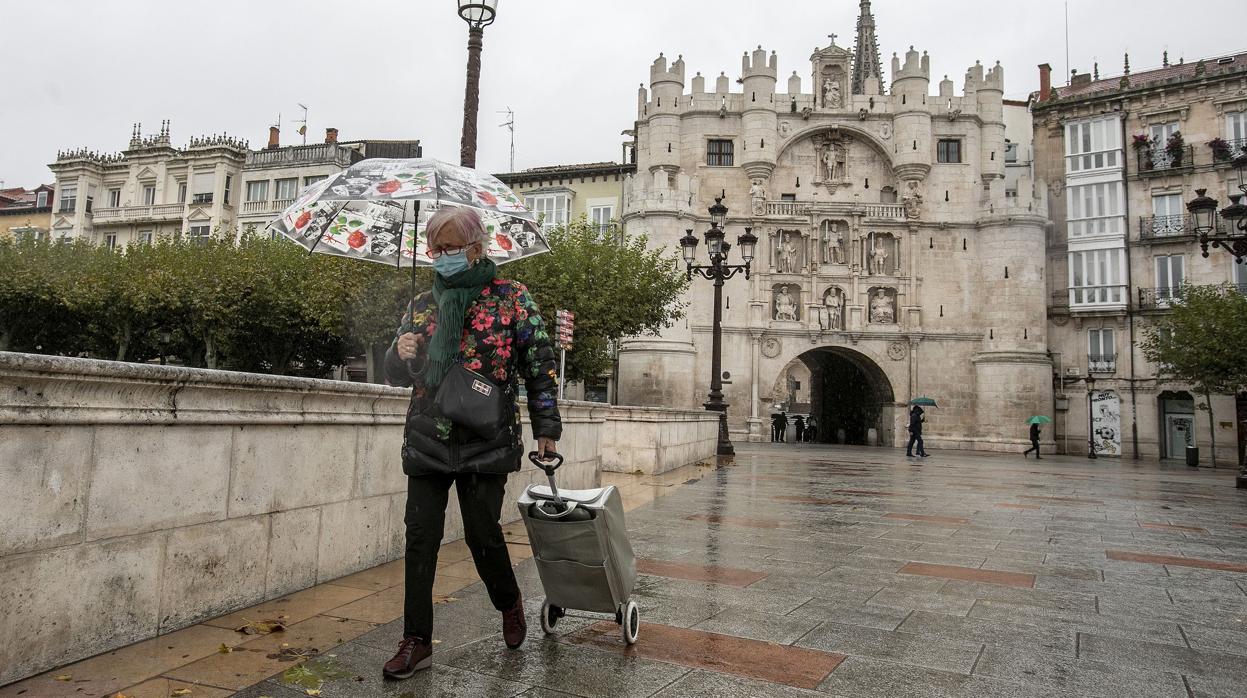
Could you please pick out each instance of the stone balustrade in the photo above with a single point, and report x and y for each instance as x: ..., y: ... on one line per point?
x: 141, y: 499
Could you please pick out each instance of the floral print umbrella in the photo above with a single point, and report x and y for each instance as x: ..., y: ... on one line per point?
x: 377, y: 209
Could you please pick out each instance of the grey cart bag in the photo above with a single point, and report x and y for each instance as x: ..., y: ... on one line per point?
x: 581, y: 547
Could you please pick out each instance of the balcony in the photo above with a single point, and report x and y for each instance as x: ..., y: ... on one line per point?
x: 1153, y: 227
x: 1102, y: 363
x: 136, y: 214
x: 802, y: 209
x: 1160, y: 161
x: 1158, y: 298
x: 265, y: 208
x: 202, y: 198
x: 303, y: 155
x: 1234, y: 147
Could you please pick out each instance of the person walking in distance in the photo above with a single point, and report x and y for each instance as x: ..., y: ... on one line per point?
x: 1034, y: 441
x: 799, y: 422
x: 915, y: 432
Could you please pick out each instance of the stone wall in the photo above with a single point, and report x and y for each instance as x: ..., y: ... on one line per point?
x: 653, y: 440
x: 141, y: 499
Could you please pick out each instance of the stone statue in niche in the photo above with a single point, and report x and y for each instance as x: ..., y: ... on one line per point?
x: 878, y: 257
x: 882, y: 308
x: 831, y: 94
x: 834, y: 161
x: 912, y: 200
x: 785, y: 305
x: 832, y: 312
x: 787, y: 253
x: 833, y: 239
x: 757, y: 195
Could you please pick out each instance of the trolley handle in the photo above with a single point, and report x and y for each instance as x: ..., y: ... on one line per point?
x: 550, y: 463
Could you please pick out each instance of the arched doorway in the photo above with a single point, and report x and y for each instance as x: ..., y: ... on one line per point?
x: 848, y: 394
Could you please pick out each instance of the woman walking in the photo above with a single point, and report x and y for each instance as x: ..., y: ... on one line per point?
x: 492, y: 327
x: 1034, y: 441
x: 915, y: 432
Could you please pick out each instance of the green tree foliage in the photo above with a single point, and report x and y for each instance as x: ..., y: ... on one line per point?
x: 615, y: 285
x: 252, y: 304
x: 1200, y: 341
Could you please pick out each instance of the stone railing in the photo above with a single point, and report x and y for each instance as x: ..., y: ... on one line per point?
x: 889, y: 212
x: 263, y: 207
x: 653, y: 440
x: 140, y: 499
x: 157, y: 212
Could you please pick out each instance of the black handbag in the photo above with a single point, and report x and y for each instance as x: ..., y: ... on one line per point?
x: 473, y: 402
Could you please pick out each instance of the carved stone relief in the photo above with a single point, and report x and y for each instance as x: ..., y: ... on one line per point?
x: 831, y: 241
x: 882, y: 254
x: 831, y: 313
x: 771, y: 347
x: 786, y: 303
x: 883, y: 306
x: 789, y: 251
x: 897, y: 351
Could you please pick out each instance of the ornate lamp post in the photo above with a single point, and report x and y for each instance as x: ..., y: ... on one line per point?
x: 718, y: 271
x: 478, y: 14
x: 1090, y: 381
x: 1203, y: 210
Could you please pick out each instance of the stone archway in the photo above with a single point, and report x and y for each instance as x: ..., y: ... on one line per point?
x: 850, y: 396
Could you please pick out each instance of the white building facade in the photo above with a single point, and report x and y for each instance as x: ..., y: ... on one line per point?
x: 892, y: 262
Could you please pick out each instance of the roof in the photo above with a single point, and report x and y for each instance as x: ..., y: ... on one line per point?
x: 1177, y: 72
x: 549, y: 171
x: 22, y: 199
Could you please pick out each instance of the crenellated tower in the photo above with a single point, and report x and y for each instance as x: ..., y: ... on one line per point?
x: 910, y: 84
x: 758, y: 115
x: 666, y: 87
x: 989, y: 92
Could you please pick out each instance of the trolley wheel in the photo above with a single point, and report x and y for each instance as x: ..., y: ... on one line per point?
x: 550, y: 615
x: 632, y: 623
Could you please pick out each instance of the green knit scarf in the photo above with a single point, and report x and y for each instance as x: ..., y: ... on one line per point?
x: 453, y: 296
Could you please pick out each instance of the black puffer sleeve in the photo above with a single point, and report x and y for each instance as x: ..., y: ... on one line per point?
x: 537, y: 366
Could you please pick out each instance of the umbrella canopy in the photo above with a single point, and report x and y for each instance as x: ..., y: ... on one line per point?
x: 376, y: 210
x: 924, y: 401
x: 1039, y: 419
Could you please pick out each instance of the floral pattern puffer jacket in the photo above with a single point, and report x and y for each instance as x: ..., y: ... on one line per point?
x: 505, y: 339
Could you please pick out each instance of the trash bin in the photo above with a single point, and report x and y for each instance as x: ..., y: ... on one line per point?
x: 1192, y: 456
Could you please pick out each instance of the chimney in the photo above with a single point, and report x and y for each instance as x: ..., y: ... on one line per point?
x: 1045, y: 82
x: 1080, y: 79
x: 274, y: 137
x: 331, y: 135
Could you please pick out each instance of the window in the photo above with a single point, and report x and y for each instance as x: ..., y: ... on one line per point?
x: 1168, y: 214
x: 203, y: 184
x: 149, y: 194
x: 145, y: 237
x: 41, y: 200
x: 257, y: 191
x: 1101, y: 353
x: 1236, y: 126
x: 1095, y: 277
x: 1095, y: 209
x: 286, y: 188
x: 1169, y: 276
x: 69, y: 199
x: 1011, y: 151
x: 719, y: 152
x: 1094, y: 144
x: 114, y: 198
x: 229, y: 182
x: 1240, y: 277
x: 199, y: 233
x: 313, y: 179
x: 551, y: 209
x: 601, y: 217
x: 110, y: 241
x: 787, y: 197
x: 181, y: 192
x: 90, y: 198
x: 948, y: 150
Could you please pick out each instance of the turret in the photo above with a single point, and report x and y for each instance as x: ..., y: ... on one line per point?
x: 666, y: 88
x: 794, y: 84
x: 699, y: 84
x: 990, y: 96
x: 910, y: 84
x: 760, y: 123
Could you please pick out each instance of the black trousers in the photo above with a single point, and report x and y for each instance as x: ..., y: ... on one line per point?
x: 1034, y: 447
x: 915, y: 437
x: 480, y: 501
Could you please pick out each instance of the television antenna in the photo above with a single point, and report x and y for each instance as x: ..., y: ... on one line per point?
x: 303, y: 127
x: 510, y: 124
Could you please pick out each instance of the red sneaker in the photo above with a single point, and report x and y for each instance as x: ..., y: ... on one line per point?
x: 413, y: 655
x: 514, y: 627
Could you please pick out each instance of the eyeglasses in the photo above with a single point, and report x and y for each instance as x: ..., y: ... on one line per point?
x: 435, y: 253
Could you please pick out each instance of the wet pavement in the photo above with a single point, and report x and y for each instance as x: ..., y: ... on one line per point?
x: 800, y: 570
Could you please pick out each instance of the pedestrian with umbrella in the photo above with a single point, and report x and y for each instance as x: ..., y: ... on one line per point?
x: 1035, y: 422
x: 462, y: 347
x: 915, y: 426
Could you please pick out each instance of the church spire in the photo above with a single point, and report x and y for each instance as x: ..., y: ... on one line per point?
x: 866, y: 52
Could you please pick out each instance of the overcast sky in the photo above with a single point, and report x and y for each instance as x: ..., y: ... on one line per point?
x: 79, y: 72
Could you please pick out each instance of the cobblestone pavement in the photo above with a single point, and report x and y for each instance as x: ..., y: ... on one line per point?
x: 807, y: 571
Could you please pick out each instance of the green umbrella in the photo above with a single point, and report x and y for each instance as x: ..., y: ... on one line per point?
x: 924, y: 401
x: 1038, y: 419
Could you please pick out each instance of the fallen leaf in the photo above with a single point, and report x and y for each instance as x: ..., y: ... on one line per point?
x: 65, y: 677
x: 442, y: 598
x: 313, y: 691
x: 224, y: 649
x: 437, y: 642
x: 262, y: 627
x: 182, y: 692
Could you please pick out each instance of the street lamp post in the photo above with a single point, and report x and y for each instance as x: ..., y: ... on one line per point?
x: 478, y: 14
x: 165, y: 337
x: 1204, y: 213
x: 718, y: 271
x: 1090, y: 381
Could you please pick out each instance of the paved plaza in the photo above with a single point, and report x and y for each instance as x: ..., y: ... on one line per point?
x: 797, y: 570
